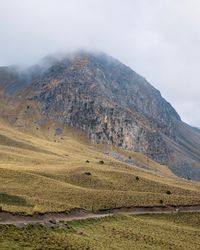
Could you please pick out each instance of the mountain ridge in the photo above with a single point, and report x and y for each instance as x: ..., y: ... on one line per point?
x: 112, y: 104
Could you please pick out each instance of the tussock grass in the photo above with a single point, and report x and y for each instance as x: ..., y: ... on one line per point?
x: 48, y: 171
x: 156, y: 232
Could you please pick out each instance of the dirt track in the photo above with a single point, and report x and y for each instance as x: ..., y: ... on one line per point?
x: 53, y: 219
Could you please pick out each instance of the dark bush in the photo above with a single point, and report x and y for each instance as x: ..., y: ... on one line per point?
x: 137, y: 178
x: 168, y: 192
x: 87, y: 161
x: 161, y: 202
x: 87, y: 173
x: 101, y: 162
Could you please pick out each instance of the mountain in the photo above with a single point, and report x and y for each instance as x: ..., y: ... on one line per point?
x: 196, y: 129
x: 109, y: 102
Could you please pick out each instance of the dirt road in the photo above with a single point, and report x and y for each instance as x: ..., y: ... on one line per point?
x: 53, y: 219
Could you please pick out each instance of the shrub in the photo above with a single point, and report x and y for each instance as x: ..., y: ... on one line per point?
x: 87, y: 173
x: 87, y: 161
x: 137, y: 178
x: 168, y: 192
x: 161, y: 202
x: 101, y: 162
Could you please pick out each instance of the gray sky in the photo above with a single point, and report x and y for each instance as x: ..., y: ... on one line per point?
x: 159, y: 39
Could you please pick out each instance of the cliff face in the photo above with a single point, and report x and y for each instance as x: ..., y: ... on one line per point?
x: 111, y: 104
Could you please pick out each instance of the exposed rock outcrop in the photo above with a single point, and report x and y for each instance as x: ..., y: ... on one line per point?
x: 111, y: 104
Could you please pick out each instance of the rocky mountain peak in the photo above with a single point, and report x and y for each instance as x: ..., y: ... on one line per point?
x: 114, y: 80
x: 112, y: 104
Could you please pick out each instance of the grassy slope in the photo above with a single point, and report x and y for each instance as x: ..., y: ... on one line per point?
x: 48, y: 172
x: 177, y: 232
x: 43, y: 172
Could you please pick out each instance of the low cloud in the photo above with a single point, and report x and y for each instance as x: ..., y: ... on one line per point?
x: 158, y: 39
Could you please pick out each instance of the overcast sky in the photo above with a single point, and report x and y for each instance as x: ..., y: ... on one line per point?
x: 159, y: 39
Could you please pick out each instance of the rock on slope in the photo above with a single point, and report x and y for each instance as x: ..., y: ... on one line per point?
x: 109, y: 102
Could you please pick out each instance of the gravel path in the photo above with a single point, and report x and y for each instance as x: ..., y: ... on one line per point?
x: 54, y: 219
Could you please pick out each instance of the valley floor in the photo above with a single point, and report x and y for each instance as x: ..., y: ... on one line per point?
x: 175, y: 231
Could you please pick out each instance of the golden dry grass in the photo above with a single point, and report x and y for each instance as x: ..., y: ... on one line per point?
x: 156, y: 232
x: 49, y: 172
